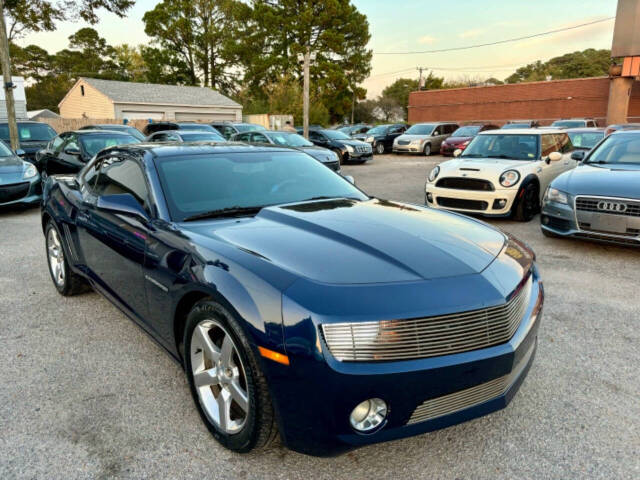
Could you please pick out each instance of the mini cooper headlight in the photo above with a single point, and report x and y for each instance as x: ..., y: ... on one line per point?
x: 349, y: 148
x: 434, y: 174
x: 555, y: 195
x: 30, y: 171
x: 509, y: 178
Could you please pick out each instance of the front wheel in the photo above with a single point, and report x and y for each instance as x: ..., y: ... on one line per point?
x: 380, y: 148
x: 226, y: 382
x: 528, y: 205
x: 427, y: 150
x: 64, y: 279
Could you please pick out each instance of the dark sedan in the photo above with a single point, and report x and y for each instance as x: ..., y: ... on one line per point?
x: 599, y: 199
x: 347, y: 148
x: 161, y: 126
x: 462, y: 136
x: 293, y: 140
x: 33, y: 136
x: 297, y: 304
x: 357, y: 129
x: 70, y: 151
x: 19, y: 180
x: 381, y: 138
x: 585, y: 138
x: 229, y: 129
x: 128, y: 129
x: 185, y: 136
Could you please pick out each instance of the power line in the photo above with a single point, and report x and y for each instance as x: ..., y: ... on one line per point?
x: 467, y: 47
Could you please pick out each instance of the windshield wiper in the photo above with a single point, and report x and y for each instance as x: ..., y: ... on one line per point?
x: 225, y: 212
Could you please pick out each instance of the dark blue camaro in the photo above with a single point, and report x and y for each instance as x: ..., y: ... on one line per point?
x: 297, y: 304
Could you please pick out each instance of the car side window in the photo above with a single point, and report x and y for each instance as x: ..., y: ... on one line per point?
x: 548, y: 145
x: 228, y: 131
x: 316, y: 136
x: 56, y: 143
x: 119, y: 175
x: 91, y: 174
x: 242, y: 137
x: 563, y: 142
x: 72, y: 142
x: 436, y: 131
x: 258, y: 138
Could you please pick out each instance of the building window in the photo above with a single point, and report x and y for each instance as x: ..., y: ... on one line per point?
x: 82, y: 90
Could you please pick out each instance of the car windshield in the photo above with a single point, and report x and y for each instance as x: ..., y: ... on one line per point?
x: 336, y: 135
x: 514, y: 147
x: 5, y: 151
x: 379, y: 130
x: 248, y: 127
x: 133, y: 131
x: 585, y: 139
x: 201, y: 137
x: 92, y: 144
x: 29, y: 132
x: 348, y: 129
x: 568, y: 123
x: 196, y: 126
x: 197, y: 184
x: 619, y: 148
x: 289, y: 139
x: 420, y: 129
x: 469, y: 131
x: 510, y: 126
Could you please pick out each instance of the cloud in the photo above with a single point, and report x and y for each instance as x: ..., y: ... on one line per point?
x: 427, y: 39
x: 471, y: 33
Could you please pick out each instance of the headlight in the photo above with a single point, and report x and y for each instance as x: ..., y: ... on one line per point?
x: 349, y: 148
x: 29, y: 172
x: 509, y: 178
x: 417, y: 141
x: 334, y: 156
x: 434, y: 174
x: 555, y: 195
x: 369, y: 139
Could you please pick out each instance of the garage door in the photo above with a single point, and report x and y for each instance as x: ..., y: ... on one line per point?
x: 133, y: 115
x: 204, y: 117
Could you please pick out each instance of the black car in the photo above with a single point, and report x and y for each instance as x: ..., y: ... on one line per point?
x: 160, y: 126
x: 513, y: 124
x: 33, y: 136
x: 585, y: 138
x: 293, y: 140
x: 185, y: 136
x: 228, y: 129
x: 347, y: 148
x: 70, y: 151
x: 356, y: 129
x: 381, y: 137
x: 133, y: 131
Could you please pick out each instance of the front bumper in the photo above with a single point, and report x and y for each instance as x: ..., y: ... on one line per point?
x: 316, y: 393
x: 358, y: 156
x: 411, y: 148
x: 447, y: 149
x: 28, y: 192
x: 560, y: 219
x: 471, y: 201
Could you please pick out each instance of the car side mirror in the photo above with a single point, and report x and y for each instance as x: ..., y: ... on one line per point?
x: 435, y: 134
x: 72, y: 151
x: 20, y: 152
x: 457, y: 152
x: 350, y: 179
x: 578, y: 155
x: 123, y: 203
x: 554, y: 157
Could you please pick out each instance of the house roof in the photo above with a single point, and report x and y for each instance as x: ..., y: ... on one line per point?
x: 133, y: 92
x: 44, y: 112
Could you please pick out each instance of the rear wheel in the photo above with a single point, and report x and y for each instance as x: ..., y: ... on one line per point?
x: 529, y: 203
x: 380, y: 148
x: 427, y: 150
x: 226, y: 382
x: 64, y: 279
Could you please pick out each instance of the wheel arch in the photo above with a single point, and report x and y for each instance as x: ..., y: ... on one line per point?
x: 529, y: 179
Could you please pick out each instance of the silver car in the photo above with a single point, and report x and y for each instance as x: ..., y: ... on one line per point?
x: 424, y: 138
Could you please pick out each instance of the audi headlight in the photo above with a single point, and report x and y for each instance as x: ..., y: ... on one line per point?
x: 509, y: 178
x: 30, y: 171
x: 349, y: 148
x: 555, y: 195
x: 434, y: 174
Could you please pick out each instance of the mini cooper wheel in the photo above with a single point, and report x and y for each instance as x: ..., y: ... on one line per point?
x: 380, y: 148
x: 226, y: 382
x: 64, y: 279
x: 427, y: 150
x: 528, y: 204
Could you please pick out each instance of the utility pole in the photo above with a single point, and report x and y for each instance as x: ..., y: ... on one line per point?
x: 353, y: 106
x: 7, y: 83
x: 420, y: 69
x: 305, y: 94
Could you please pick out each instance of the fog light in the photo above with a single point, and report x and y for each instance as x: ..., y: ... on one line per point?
x: 499, y: 203
x: 368, y: 415
x: 545, y: 220
x: 429, y: 198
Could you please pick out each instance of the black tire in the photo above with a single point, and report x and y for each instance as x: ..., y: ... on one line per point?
x: 380, y: 148
x: 427, y: 150
x: 528, y: 203
x: 341, y: 158
x: 260, y: 428
x: 72, y: 283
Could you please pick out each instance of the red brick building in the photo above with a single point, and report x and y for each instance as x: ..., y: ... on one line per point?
x: 542, y: 101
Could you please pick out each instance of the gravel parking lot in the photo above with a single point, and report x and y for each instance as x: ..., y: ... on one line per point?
x: 84, y: 393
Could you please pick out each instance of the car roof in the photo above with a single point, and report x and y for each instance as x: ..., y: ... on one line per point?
x: 626, y: 132
x: 176, y: 149
x: 585, y: 129
x: 521, y: 131
x: 98, y: 132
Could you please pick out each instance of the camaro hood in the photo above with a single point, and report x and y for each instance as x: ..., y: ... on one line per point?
x: 602, y: 180
x: 344, y: 241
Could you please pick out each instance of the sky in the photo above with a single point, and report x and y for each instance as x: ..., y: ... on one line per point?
x: 409, y: 25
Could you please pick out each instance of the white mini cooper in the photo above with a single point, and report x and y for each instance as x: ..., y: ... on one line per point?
x: 501, y: 173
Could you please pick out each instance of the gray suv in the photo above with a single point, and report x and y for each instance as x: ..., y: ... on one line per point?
x: 424, y: 137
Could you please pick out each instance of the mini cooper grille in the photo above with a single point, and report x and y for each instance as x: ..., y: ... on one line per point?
x: 462, y: 203
x: 589, y: 204
x: 12, y: 192
x: 427, y: 337
x: 462, y: 183
x: 454, y: 402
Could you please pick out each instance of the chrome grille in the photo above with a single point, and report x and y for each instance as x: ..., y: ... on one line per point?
x: 590, y: 204
x: 454, y: 402
x: 363, y: 148
x: 404, y: 142
x: 427, y: 337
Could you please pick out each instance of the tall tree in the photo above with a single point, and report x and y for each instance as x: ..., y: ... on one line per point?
x: 587, y: 63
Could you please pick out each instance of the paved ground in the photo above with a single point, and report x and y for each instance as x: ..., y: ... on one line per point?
x: 85, y: 394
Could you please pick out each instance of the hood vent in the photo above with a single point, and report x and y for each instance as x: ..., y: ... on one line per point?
x: 470, y: 169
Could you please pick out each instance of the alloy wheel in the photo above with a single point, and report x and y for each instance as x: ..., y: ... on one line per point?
x: 427, y: 149
x: 380, y: 148
x: 56, y: 257
x: 530, y: 202
x: 219, y: 376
